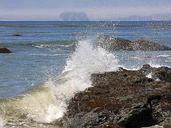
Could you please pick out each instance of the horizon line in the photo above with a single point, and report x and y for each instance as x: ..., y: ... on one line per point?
x: 80, y: 20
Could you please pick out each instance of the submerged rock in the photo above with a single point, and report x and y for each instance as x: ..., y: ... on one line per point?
x: 16, y: 34
x: 4, y: 50
x: 112, y: 44
x: 123, y: 99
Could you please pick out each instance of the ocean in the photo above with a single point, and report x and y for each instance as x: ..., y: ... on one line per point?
x: 61, y: 56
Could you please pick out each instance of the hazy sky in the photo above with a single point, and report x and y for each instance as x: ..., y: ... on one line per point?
x: 95, y: 9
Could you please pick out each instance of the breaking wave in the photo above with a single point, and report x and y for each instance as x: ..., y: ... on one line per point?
x: 76, y: 75
x: 2, y: 122
x: 48, y: 103
x: 54, y: 45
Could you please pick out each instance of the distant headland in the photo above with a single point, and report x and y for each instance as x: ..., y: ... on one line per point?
x: 73, y: 16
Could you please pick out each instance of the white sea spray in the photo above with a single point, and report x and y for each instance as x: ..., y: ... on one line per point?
x: 2, y: 122
x: 76, y: 75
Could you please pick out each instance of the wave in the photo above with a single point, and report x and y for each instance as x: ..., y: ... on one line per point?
x: 48, y: 103
x: 48, y: 55
x: 41, y: 44
x: 76, y: 74
x: 28, y: 109
x: 164, y: 56
x: 2, y: 122
x: 50, y: 45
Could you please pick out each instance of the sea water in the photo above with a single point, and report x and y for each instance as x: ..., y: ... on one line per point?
x: 61, y: 56
x: 44, y: 47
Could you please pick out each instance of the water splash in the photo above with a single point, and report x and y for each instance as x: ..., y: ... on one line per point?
x: 2, y: 122
x: 155, y: 64
x: 150, y: 75
x: 76, y: 75
x: 48, y: 103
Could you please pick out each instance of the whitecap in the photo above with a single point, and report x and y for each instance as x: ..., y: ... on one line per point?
x: 77, y: 74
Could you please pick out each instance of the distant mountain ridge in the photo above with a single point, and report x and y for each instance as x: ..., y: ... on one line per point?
x: 73, y: 16
x: 155, y: 17
x: 82, y: 16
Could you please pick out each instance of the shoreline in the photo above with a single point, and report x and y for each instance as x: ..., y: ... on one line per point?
x: 123, y: 99
x: 104, y: 98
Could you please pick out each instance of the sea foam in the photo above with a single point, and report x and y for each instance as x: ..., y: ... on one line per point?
x: 2, y: 122
x: 76, y: 76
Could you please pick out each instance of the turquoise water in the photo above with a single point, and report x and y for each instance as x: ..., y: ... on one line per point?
x: 44, y: 47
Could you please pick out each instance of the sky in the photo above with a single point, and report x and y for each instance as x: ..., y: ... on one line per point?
x: 95, y: 9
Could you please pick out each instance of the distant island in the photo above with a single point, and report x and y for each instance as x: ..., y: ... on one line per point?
x: 82, y: 16
x: 73, y: 16
x: 155, y: 17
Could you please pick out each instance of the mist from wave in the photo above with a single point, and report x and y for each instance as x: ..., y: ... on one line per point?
x: 49, y: 102
x: 76, y: 77
x: 2, y: 122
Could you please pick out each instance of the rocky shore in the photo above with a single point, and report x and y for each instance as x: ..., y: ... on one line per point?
x: 123, y: 99
x: 112, y: 44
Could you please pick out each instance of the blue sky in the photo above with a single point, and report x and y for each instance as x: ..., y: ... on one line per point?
x: 95, y: 9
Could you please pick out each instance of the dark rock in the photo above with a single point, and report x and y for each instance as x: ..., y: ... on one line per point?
x: 91, y: 119
x: 124, y: 98
x: 140, y: 116
x: 112, y: 44
x: 153, y: 99
x: 4, y: 50
x: 146, y: 69
x: 17, y: 34
x: 163, y: 73
x: 146, y: 45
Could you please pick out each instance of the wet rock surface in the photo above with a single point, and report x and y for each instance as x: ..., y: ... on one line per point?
x: 4, y: 50
x: 111, y: 44
x: 123, y: 99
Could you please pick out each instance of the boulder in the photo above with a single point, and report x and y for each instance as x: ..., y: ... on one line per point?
x: 163, y: 73
x: 112, y: 44
x: 4, y: 50
x: 146, y: 45
x: 123, y: 99
x: 91, y: 119
x: 138, y: 117
x: 17, y: 34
